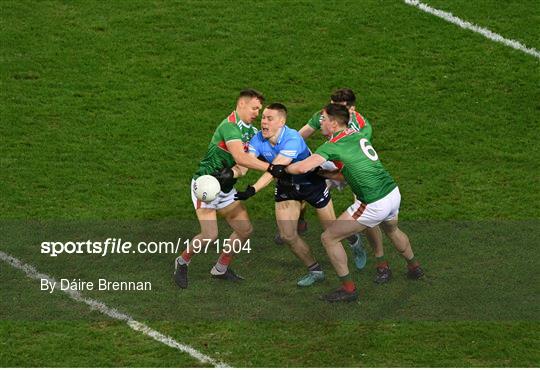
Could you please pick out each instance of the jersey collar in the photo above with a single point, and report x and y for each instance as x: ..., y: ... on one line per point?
x: 242, y: 123
x: 341, y: 134
x: 281, y: 133
x: 235, y: 118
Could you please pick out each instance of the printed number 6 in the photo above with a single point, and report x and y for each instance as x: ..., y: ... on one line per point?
x: 368, y: 150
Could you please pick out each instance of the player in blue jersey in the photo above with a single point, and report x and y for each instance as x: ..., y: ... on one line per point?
x: 280, y: 145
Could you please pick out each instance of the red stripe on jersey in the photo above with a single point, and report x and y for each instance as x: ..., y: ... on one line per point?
x: 223, y: 146
x: 356, y: 215
x: 342, y: 135
x: 360, y: 119
x: 232, y: 117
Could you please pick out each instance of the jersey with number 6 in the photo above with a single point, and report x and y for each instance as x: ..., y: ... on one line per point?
x: 362, y: 169
x: 231, y: 128
x: 357, y: 123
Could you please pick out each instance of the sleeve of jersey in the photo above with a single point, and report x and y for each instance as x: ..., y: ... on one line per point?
x: 314, y: 121
x: 229, y: 132
x: 291, y: 148
x: 326, y: 151
x: 254, y: 144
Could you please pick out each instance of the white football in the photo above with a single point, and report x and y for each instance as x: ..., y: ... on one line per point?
x: 206, y: 188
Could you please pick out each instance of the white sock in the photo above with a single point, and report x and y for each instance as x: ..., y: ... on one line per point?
x: 220, y: 268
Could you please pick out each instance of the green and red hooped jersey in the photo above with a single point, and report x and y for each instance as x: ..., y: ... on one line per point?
x: 362, y: 168
x: 357, y: 123
x: 231, y: 128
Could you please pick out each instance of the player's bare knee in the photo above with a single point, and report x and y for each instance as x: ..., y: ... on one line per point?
x: 249, y: 229
x: 290, y: 237
x: 245, y: 231
x: 327, y: 238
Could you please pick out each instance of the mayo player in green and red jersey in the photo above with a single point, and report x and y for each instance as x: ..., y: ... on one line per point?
x: 226, y: 159
x: 377, y: 196
x: 344, y: 97
x: 358, y: 123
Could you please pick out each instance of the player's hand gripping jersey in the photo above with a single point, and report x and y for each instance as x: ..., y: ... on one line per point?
x: 362, y: 169
x: 356, y: 123
x: 231, y: 128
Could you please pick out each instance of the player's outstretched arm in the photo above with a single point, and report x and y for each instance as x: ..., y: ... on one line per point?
x: 251, y: 190
x: 308, y: 164
x: 263, y: 181
x: 306, y: 131
x: 236, y: 148
x: 267, y: 178
x: 239, y: 171
x: 330, y: 170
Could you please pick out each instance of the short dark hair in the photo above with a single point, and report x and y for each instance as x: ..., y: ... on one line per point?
x: 344, y: 96
x: 279, y: 107
x: 338, y: 112
x: 251, y: 93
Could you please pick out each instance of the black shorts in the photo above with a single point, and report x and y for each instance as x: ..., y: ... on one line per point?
x: 315, y: 193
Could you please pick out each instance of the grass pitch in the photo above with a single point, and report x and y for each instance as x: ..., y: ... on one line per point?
x: 107, y: 107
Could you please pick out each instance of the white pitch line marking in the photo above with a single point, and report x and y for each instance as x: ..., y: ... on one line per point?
x: 449, y: 17
x: 76, y: 295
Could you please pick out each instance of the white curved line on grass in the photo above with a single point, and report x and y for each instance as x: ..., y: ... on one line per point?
x: 76, y: 295
x: 449, y: 17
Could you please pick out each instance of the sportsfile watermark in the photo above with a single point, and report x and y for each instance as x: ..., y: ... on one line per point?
x: 111, y: 246
x: 137, y: 272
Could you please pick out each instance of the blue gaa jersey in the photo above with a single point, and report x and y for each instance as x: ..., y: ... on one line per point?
x: 289, y: 144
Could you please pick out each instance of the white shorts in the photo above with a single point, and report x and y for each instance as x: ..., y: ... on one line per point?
x: 222, y: 200
x: 372, y: 214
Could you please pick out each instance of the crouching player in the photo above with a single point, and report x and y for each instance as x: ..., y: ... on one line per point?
x: 280, y: 145
x: 378, y: 197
